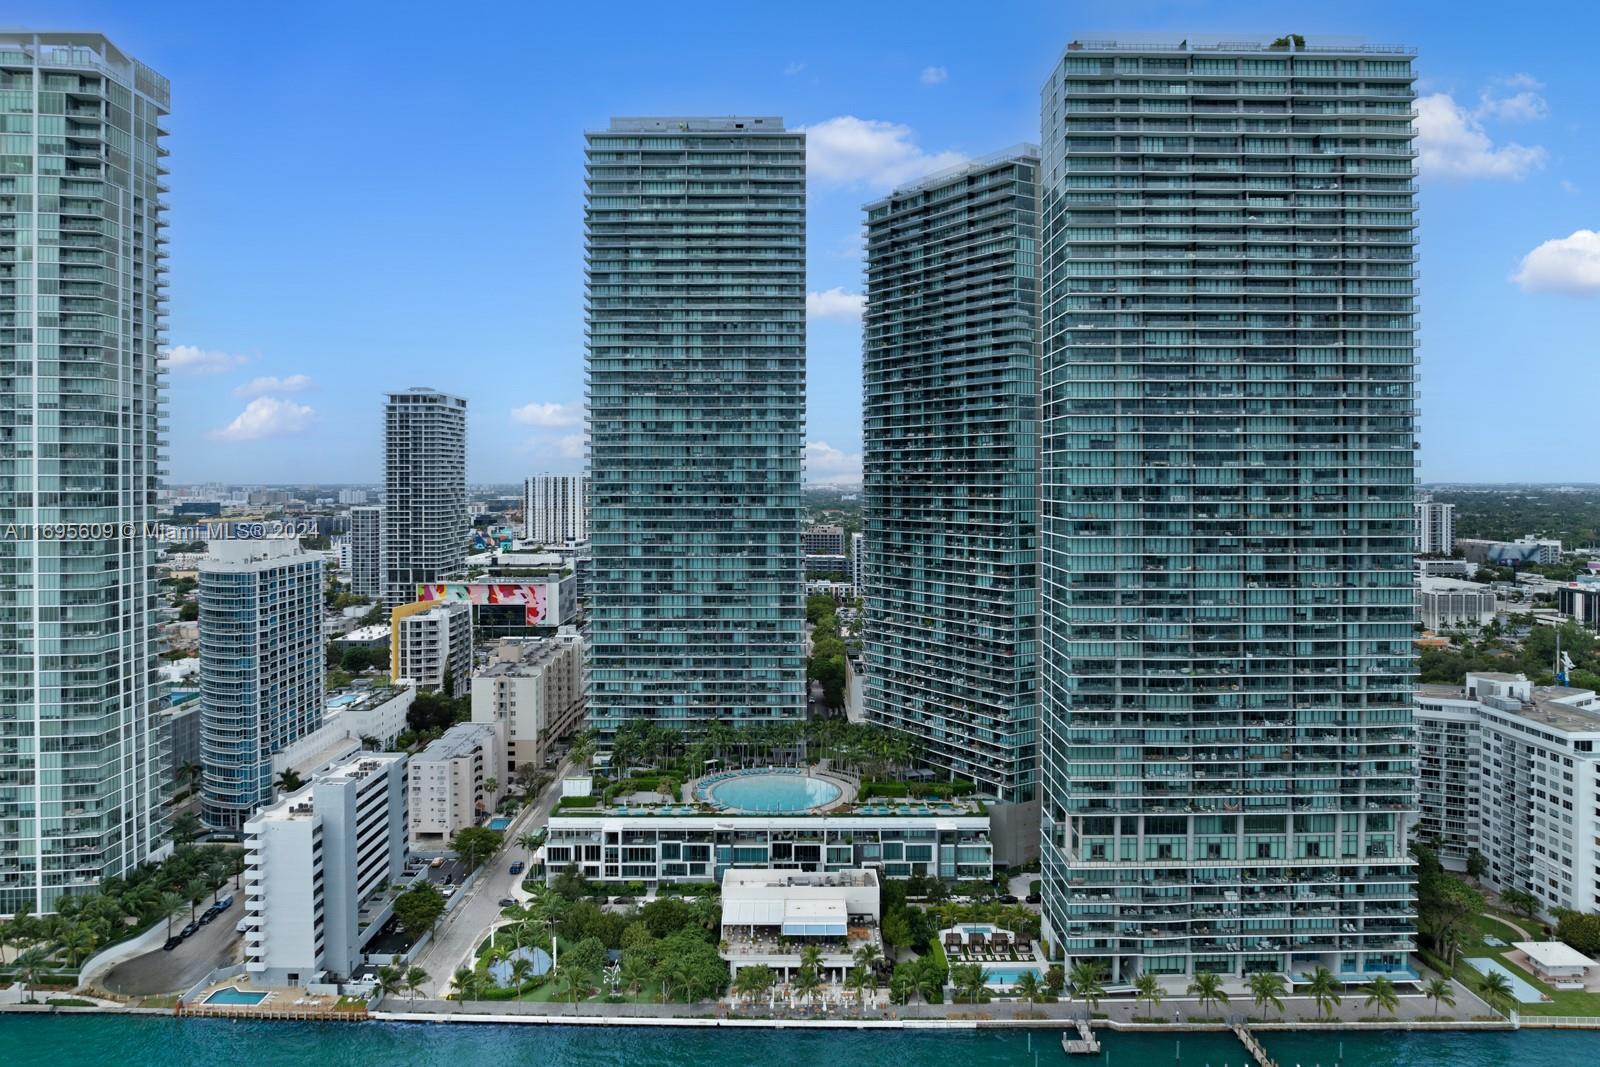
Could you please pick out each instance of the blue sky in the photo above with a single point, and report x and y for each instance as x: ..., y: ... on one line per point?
x: 368, y: 196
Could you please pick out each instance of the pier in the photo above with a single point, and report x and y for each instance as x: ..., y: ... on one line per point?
x: 1084, y: 1044
x: 1242, y: 1032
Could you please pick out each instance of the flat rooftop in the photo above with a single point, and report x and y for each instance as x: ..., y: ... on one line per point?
x: 462, y: 739
x: 696, y: 124
x: 781, y: 879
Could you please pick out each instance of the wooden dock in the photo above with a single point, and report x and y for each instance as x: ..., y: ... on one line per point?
x: 1085, y: 1044
x: 1242, y: 1032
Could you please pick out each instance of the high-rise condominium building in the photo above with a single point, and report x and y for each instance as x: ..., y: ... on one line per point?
x: 696, y: 354
x: 555, y: 509
x: 1229, y: 424
x: 366, y: 551
x: 950, y: 384
x: 1436, y: 526
x: 83, y: 311
x: 261, y: 668
x: 425, y: 520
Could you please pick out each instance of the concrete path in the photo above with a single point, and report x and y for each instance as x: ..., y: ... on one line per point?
x: 157, y: 971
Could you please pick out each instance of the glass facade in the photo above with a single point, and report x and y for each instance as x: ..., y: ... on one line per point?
x: 950, y: 388
x: 82, y: 312
x: 261, y: 669
x: 425, y: 523
x: 1229, y: 433
x: 696, y: 358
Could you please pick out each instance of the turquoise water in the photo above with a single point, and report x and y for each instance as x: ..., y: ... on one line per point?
x: 1520, y: 989
x: 232, y: 995
x: 499, y: 823
x: 66, y: 1041
x: 1007, y: 976
x: 773, y: 792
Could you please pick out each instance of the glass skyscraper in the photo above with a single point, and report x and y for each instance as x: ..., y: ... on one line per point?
x: 696, y: 358
x: 82, y: 314
x: 425, y: 523
x: 1229, y: 434
x: 261, y: 668
x: 950, y: 387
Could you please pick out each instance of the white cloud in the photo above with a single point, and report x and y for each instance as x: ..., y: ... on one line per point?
x: 824, y: 463
x: 266, y: 416
x: 1569, y: 265
x: 1452, y: 143
x: 869, y: 152
x: 571, y: 446
x: 192, y: 359
x: 933, y: 75
x: 1515, y: 99
x: 548, y: 415
x: 294, y: 383
x: 1570, y: 187
x: 835, y: 303
x: 793, y: 68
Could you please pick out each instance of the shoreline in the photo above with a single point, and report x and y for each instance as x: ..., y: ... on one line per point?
x: 471, y: 1018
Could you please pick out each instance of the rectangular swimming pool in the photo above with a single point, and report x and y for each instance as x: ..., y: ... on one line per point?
x: 1006, y: 977
x: 1520, y: 989
x: 499, y: 822
x: 234, y: 995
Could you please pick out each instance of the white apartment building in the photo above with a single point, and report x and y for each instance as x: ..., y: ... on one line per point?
x: 313, y: 860
x: 533, y: 691
x: 1449, y: 758
x: 450, y: 783
x: 365, y: 542
x: 352, y: 496
x: 261, y: 668
x: 430, y: 643
x: 1537, y: 774
x: 1450, y: 604
x: 555, y: 509
x: 425, y: 520
x: 1436, y: 526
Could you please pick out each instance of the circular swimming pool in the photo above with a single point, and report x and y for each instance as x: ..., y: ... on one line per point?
x: 772, y: 792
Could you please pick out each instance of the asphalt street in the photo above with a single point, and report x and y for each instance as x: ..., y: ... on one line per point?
x: 215, y: 945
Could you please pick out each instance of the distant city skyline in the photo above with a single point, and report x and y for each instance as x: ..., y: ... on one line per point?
x: 293, y: 311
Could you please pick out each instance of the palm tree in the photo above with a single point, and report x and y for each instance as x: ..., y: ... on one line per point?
x: 1087, y: 985
x: 1146, y: 987
x: 530, y: 841
x: 390, y: 980
x: 1029, y: 988
x: 867, y: 958
x: 521, y: 971
x: 1324, y: 989
x: 753, y: 982
x: 970, y: 980
x: 29, y: 965
x: 1381, y: 992
x: 860, y: 980
x: 468, y: 983
x: 1268, y: 988
x: 807, y: 981
x: 415, y: 979
x: 1207, y: 988
x: 290, y: 782
x: 811, y: 956
x: 1495, y: 989
x: 635, y: 971
x: 78, y: 941
x: 1439, y: 990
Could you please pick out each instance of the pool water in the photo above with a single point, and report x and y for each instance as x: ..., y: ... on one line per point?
x: 234, y: 995
x: 1007, y: 976
x: 500, y: 822
x: 773, y: 792
x: 1520, y: 989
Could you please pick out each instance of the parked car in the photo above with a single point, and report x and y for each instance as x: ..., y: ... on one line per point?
x: 244, y: 924
x: 1032, y: 898
x: 518, y: 867
x: 1008, y: 899
x: 172, y: 943
x: 507, y: 902
x: 188, y: 929
x: 206, y: 917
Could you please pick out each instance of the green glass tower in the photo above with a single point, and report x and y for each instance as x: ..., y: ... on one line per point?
x: 696, y: 358
x: 950, y: 388
x: 1229, y: 434
x: 82, y: 310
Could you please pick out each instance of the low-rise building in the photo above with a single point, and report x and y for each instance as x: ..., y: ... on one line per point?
x: 315, y: 863
x: 455, y: 783
x: 827, y: 565
x: 823, y: 539
x: 431, y: 644
x: 769, y: 915
x: 360, y: 716
x: 1536, y: 766
x: 658, y: 846
x: 533, y: 690
x: 1451, y: 604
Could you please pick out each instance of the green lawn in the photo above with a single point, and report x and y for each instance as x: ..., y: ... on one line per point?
x: 1561, y: 1002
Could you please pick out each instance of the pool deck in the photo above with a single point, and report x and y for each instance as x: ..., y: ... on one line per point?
x: 699, y: 789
